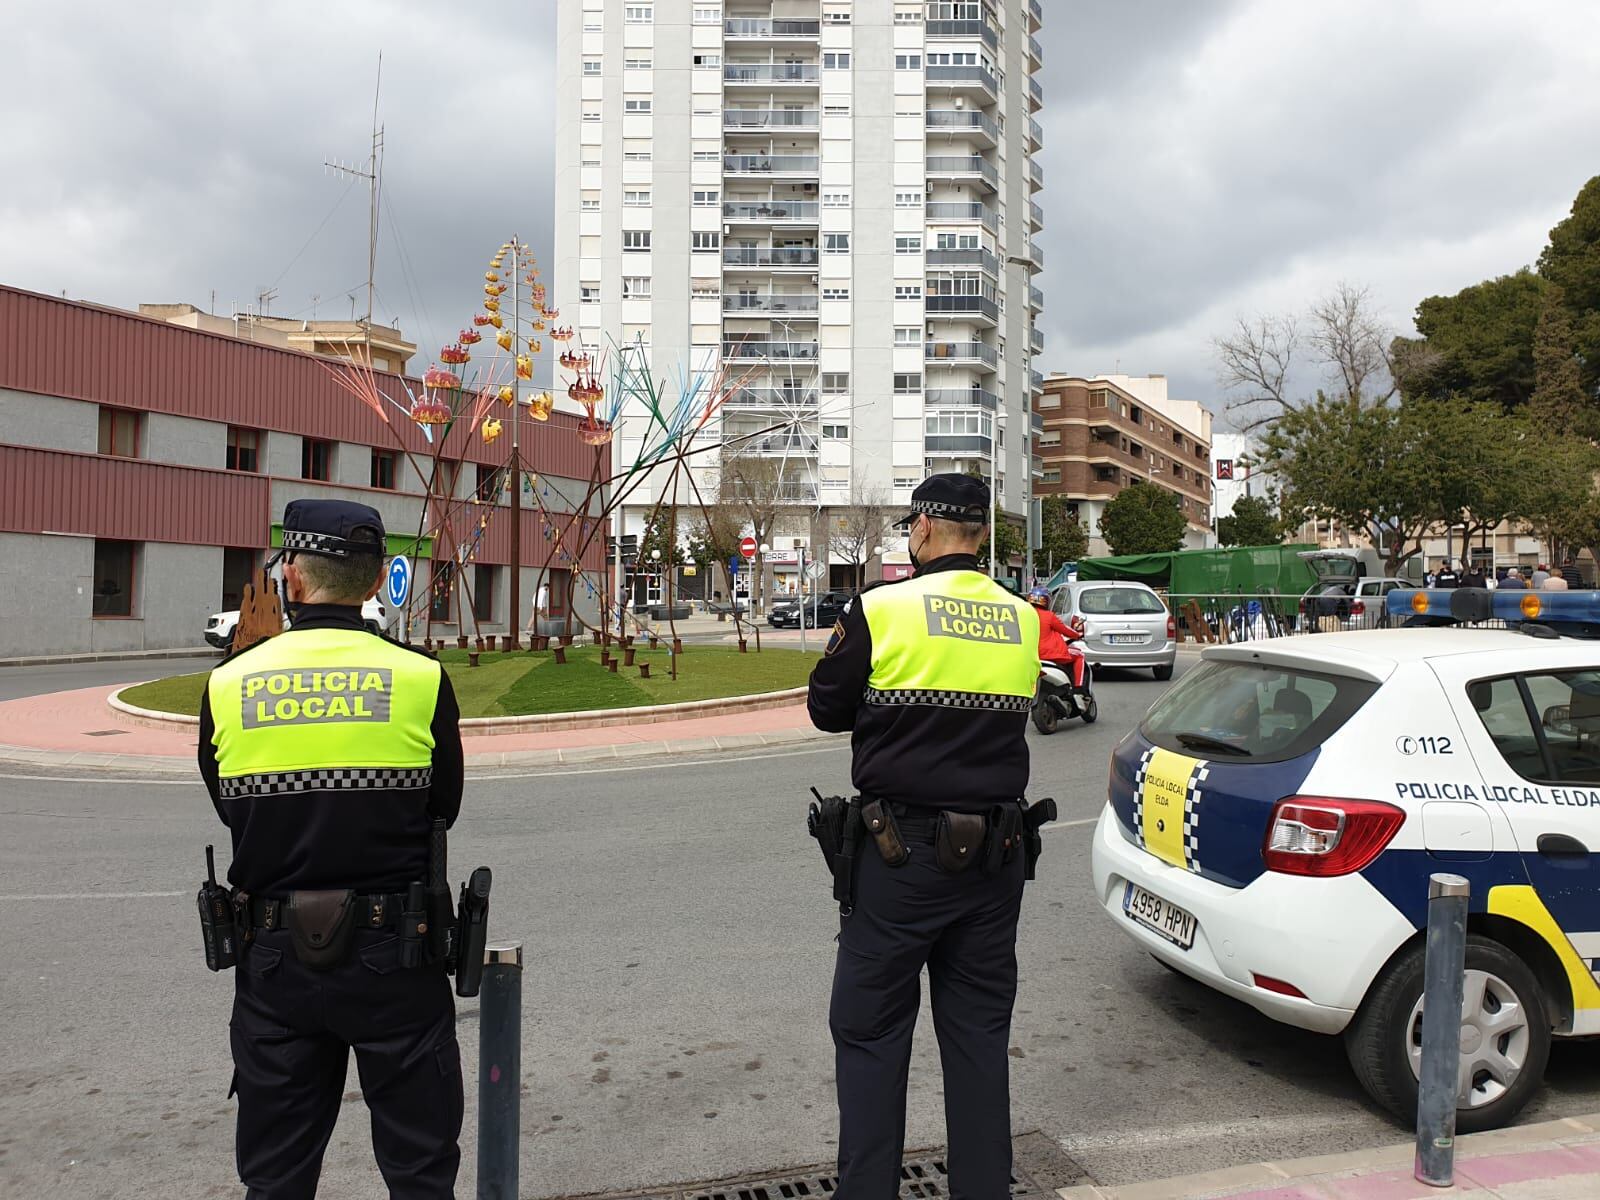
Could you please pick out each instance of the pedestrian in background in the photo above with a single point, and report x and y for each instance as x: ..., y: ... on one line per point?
x: 1475, y: 578
x: 1445, y: 576
x: 1555, y: 581
x: 1513, y: 579
x: 1540, y: 574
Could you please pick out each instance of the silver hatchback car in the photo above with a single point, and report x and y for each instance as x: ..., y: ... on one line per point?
x: 1124, y: 624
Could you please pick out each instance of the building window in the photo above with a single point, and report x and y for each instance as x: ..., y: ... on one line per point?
x: 1051, y: 475
x: 1049, y: 437
x: 837, y: 16
x: 591, y: 110
x: 908, y: 16
x: 1099, y: 398
x: 836, y: 108
x: 636, y: 199
x: 439, y: 591
x: 706, y: 197
x: 636, y: 64
x: 836, y: 61
x: 636, y: 239
x: 908, y: 62
x: 835, y: 383
x: 636, y: 105
x: 489, y: 489
x: 908, y: 383
x: 836, y: 433
x: 636, y: 287
x: 705, y: 289
x: 589, y: 204
x: 836, y: 293
x: 113, y: 577
x: 639, y: 14
x: 384, y: 464
x: 238, y: 569
x: 908, y: 245
x: 119, y: 432
x: 908, y: 291
x: 908, y: 335
x: 707, y: 156
x: 705, y: 241
x: 835, y: 199
x: 708, y: 60
x: 908, y: 199
x: 836, y: 243
x: 316, y: 459
x: 1050, y: 400
x: 633, y: 156
x: 483, y: 581
x: 591, y: 66
x: 589, y: 293
x: 708, y: 16
x: 244, y: 449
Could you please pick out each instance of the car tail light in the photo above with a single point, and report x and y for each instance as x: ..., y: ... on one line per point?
x: 1172, y: 628
x: 1358, y: 609
x: 1323, y: 835
x: 1268, y: 984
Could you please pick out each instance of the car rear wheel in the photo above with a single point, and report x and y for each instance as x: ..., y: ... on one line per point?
x: 1164, y: 673
x: 1505, y: 1036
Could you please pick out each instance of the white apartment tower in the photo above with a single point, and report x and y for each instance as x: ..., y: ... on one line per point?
x: 838, y: 199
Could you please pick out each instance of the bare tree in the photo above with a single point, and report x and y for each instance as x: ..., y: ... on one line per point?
x: 1254, y: 361
x: 854, y: 530
x: 758, y: 488
x: 1348, y: 337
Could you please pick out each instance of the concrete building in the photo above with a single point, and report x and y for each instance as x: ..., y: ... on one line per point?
x: 1099, y: 435
x: 144, y: 468
x: 833, y: 200
x: 390, y: 351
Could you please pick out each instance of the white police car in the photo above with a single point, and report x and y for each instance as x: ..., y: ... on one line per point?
x: 1272, y: 824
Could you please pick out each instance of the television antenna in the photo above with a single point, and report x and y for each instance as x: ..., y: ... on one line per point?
x: 373, y: 174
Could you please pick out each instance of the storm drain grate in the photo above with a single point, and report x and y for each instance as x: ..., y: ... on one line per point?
x: 922, y: 1178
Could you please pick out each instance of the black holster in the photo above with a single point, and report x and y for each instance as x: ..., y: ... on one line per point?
x: 1005, y: 837
x: 1034, y: 816
x: 835, y: 821
x: 320, y: 925
x: 958, y: 840
x: 878, y: 818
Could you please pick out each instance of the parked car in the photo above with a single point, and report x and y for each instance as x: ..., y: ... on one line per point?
x: 818, y: 610
x: 220, y: 626
x: 1125, y: 624
x: 1354, y: 604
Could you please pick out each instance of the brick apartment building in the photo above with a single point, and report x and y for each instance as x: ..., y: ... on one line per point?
x: 1100, y: 435
x: 144, y: 468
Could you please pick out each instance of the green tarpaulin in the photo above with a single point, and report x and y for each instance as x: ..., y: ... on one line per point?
x: 1238, y: 570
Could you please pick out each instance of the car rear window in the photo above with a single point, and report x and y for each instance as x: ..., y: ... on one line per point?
x: 1253, y: 712
x: 1118, y: 602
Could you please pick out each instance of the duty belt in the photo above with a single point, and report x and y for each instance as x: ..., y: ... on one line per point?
x: 375, y: 911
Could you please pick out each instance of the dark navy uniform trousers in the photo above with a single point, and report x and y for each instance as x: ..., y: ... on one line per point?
x: 292, y: 1032
x: 963, y: 928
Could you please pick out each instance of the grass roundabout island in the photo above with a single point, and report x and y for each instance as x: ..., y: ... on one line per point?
x: 522, y: 683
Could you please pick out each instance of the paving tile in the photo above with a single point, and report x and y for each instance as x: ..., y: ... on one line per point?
x: 1392, y: 1185
x: 1553, y: 1163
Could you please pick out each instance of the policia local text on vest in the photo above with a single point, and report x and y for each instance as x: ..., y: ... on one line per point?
x: 934, y: 677
x: 331, y: 753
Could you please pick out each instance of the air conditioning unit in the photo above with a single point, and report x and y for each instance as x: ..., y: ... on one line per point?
x: 808, y: 187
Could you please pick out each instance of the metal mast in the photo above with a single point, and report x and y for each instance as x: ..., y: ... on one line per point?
x: 374, y: 177
x: 513, y: 624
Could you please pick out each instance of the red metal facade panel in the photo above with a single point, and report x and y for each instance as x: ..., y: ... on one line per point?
x: 78, y: 351
x: 536, y: 547
x: 57, y: 491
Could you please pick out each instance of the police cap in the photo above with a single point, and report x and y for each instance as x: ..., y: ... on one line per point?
x: 951, y: 497
x: 336, y: 528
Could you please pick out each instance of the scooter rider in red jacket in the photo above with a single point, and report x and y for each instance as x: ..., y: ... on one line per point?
x: 1054, y: 636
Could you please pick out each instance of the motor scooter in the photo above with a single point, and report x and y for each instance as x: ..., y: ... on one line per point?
x: 1065, y: 690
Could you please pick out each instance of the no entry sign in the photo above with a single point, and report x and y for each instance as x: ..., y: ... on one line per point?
x: 748, y: 547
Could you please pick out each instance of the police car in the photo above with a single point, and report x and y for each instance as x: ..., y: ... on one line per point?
x: 1273, y: 821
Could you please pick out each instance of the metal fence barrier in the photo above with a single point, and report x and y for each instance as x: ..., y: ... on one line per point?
x: 500, y: 1072
x: 1443, y: 982
x: 1255, y: 616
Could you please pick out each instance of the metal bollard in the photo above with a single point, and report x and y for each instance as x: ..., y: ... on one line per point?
x: 1443, y: 975
x: 500, y: 1072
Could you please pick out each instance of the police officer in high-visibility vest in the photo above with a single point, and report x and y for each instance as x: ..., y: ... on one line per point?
x: 327, y: 751
x: 934, y: 675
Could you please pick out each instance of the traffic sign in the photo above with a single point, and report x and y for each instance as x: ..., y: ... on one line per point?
x: 733, y: 565
x: 748, y: 547
x: 815, y: 570
x: 397, y: 584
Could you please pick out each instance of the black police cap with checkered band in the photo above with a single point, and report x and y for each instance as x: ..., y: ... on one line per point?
x: 336, y: 528
x: 951, y: 497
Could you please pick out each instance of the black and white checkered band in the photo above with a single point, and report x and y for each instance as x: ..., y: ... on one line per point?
x: 950, y: 512
x: 316, y: 543
x: 336, y: 779
x: 981, y: 700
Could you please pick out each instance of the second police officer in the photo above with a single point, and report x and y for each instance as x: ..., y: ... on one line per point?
x: 328, y: 751
x: 934, y: 677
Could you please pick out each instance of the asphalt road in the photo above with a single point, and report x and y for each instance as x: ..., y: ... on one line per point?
x: 680, y: 952
x: 17, y: 682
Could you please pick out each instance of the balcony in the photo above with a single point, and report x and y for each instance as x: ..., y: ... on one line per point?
x: 1035, y: 299
x: 943, y: 211
x: 981, y: 259
x: 776, y: 444
x: 1036, y: 465
x: 756, y: 349
x: 1035, y: 176
x: 1035, y: 54
x: 958, y: 443
x: 1036, y: 380
x: 964, y: 29
x: 971, y: 79
x: 1035, y: 15
x: 771, y: 212
x: 777, y: 399
x: 964, y: 167
x: 1036, y: 255
x: 766, y: 165
x: 769, y: 118
x: 771, y: 29
x: 1036, y: 341
x: 777, y: 258
x: 735, y: 74
x: 1035, y: 136
x: 979, y: 307
x: 1036, y: 423
x: 1035, y: 216
x: 956, y: 353
x: 962, y: 122
x: 1035, y: 95
x: 961, y: 398
x: 743, y: 304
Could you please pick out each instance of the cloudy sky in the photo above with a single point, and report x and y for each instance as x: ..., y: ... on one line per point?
x: 1204, y: 158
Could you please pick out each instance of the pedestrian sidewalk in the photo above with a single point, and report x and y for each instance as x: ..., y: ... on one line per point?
x: 1555, y: 1160
x: 80, y: 729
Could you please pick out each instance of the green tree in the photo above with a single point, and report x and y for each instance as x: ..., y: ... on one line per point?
x: 1476, y: 344
x: 1143, y: 519
x: 1061, y: 537
x: 1572, y: 263
x: 1559, y: 401
x: 1254, y: 522
x: 1009, y: 543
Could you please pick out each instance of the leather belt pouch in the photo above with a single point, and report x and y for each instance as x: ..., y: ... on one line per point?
x: 1006, y: 820
x: 958, y: 840
x: 875, y: 815
x: 320, y: 925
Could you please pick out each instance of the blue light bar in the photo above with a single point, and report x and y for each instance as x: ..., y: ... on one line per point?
x: 1419, y: 602
x: 1504, y: 604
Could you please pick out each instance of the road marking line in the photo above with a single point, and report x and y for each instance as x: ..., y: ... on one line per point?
x: 94, y: 896
x: 1068, y: 824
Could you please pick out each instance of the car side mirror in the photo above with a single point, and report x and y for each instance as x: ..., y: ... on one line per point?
x: 1557, y: 718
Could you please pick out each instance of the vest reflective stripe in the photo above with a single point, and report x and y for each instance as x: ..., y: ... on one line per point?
x: 954, y: 638
x: 315, y: 700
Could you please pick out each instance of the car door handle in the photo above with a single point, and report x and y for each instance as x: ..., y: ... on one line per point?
x: 1560, y: 844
